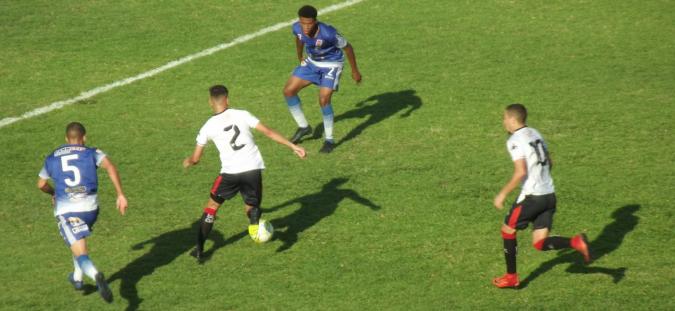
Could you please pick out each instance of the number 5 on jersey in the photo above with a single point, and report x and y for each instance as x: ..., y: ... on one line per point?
x: 70, y: 168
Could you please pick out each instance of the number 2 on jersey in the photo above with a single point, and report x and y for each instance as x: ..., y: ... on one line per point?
x: 70, y: 168
x: 233, y: 141
x: 540, y: 150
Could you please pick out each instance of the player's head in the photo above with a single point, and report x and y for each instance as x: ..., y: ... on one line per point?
x: 515, y: 116
x: 307, y: 18
x: 218, y: 97
x: 75, y: 133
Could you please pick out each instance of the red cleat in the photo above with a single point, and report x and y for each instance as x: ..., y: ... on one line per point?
x: 506, y: 281
x: 580, y: 243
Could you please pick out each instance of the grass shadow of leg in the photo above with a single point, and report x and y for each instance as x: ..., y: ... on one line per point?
x: 165, y: 249
x: 609, y: 240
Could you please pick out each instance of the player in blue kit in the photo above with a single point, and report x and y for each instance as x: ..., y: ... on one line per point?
x: 323, y: 65
x: 72, y: 168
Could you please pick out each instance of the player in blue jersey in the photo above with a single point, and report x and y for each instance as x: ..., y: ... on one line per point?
x: 324, y: 47
x: 72, y: 168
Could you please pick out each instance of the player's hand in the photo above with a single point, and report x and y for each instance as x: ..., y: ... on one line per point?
x: 499, y: 201
x: 299, y: 151
x: 122, y: 204
x: 187, y: 162
x: 356, y: 75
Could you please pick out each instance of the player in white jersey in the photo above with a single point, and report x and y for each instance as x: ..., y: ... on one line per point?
x: 242, y: 163
x: 536, y: 202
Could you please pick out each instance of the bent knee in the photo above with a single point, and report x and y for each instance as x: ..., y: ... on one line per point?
x: 289, y: 91
x: 508, y: 232
x: 324, y: 100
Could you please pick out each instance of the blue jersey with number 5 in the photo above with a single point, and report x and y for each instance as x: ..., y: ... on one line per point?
x: 73, y: 170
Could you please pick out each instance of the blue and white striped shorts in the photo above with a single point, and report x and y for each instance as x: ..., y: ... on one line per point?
x: 76, y: 226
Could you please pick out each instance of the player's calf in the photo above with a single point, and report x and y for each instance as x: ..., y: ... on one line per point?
x: 205, y: 227
x: 510, y: 279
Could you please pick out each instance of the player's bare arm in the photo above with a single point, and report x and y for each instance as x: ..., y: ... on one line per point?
x: 195, y: 157
x: 107, y: 165
x: 519, y: 172
x: 275, y: 136
x: 45, y: 187
x: 351, y: 57
x: 299, y: 47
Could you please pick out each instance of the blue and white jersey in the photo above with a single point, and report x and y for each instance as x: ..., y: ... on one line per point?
x: 325, y: 48
x: 73, y: 170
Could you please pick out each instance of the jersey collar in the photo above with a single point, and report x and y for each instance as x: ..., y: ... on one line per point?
x: 520, y: 128
x: 215, y: 114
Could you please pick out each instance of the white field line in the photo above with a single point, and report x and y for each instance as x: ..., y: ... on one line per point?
x: 186, y: 59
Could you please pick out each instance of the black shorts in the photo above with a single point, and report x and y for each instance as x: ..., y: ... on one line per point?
x: 249, y: 184
x: 537, y: 209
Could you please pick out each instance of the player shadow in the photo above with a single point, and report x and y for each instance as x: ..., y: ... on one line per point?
x: 609, y: 240
x: 313, y: 208
x: 166, y: 247
x: 375, y: 109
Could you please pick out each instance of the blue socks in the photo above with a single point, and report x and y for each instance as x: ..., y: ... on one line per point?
x: 296, y: 110
x: 87, y: 266
x: 327, y: 112
x: 295, y: 107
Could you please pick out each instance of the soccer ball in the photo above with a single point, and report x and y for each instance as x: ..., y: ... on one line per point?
x: 265, y: 231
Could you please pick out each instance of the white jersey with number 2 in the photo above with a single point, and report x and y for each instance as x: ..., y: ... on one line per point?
x: 526, y: 143
x: 230, y: 131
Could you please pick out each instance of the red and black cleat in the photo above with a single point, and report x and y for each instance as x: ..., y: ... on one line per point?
x: 580, y: 244
x: 507, y: 281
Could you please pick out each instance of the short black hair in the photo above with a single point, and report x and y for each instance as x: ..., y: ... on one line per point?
x: 218, y: 90
x: 75, y: 130
x: 307, y: 11
x: 517, y: 111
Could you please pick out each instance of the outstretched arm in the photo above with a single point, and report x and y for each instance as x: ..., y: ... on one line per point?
x: 298, y: 48
x: 280, y: 206
x: 414, y: 106
x: 519, y: 172
x: 351, y: 57
x: 140, y: 245
x: 115, y: 178
x: 363, y: 201
x: 195, y: 157
x: 275, y: 136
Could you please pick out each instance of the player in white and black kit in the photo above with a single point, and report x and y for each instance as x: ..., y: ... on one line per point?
x: 536, y: 202
x: 242, y: 163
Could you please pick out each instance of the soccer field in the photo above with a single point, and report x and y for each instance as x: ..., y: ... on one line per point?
x: 399, y: 216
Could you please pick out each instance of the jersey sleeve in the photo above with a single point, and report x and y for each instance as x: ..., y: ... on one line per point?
x: 251, y: 120
x: 202, y: 137
x: 43, y: 173
x: 99, y: 155
x: 340, y: 41
x: 516, y: 149
x: 295, y: 30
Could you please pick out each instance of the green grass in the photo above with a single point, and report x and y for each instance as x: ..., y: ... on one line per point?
x: 597, y: 77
